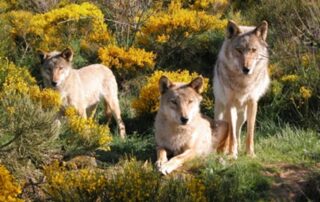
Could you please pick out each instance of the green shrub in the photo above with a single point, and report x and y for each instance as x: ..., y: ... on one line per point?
x: 132, y: 180
x: 182, y: 188
x: 28, y: 134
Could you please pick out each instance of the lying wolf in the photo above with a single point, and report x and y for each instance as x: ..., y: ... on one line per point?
x: 84, y: 87
x: 240, y: 79
x: 180, y: 129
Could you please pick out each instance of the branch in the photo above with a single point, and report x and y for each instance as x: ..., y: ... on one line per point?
x: 12, y: 140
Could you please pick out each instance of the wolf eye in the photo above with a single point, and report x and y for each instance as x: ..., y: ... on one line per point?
x: 253, y: 49
x: 190, y: 101
x: 60, y: 68
x: 239, y: 50
x: 174, y: 102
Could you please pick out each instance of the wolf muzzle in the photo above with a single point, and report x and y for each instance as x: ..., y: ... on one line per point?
x: 245, y: 70
x: 184, y: 120
x: 54, y: 84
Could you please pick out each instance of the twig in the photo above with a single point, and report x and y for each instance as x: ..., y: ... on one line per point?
x: 69, y: 20
x: 12, y: 140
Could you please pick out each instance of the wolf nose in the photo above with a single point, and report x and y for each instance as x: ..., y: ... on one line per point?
x: 245, y: 70
x: 54, y: 84
x: 184, y: 120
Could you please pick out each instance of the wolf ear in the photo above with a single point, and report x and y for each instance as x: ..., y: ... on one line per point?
x: 232, y: 29
x: 164, y: 84
x: 67, y: 54
x: 262, y: 30
x: 197, y: 84
x: 42, y: 55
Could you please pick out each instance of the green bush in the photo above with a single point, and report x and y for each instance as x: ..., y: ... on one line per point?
x: 28, y: 134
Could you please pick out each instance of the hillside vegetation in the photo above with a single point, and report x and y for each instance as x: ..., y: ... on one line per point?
x: 76, y: 159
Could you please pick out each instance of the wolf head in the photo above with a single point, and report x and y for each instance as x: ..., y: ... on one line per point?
x: 55, y: 66
x: 180, y: 102
x: 246, y: 47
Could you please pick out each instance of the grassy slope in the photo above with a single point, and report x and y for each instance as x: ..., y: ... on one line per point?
x: 287, y: 166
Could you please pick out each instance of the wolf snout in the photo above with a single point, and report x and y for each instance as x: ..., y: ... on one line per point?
x: 54, y: 84
x: 184, y: 120
x: 245, y: 70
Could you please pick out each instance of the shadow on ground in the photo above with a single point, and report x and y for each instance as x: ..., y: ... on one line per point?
x: 142, y: 148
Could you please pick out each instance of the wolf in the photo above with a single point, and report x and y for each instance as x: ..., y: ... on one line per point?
x: 180, y: 129
x: 81, y: 88
x: 240, y: 79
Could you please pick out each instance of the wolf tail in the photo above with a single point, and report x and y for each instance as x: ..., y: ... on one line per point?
x: 222, y: 133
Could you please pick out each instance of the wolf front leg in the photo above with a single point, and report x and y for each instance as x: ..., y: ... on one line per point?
x: 176, y: 161
x: 82, y: 112
x: 161, y: 157
x: 252, y: 113
x: 231, y: 117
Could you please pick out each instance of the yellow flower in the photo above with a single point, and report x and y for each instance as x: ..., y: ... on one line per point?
x: 177, y: 23
x: 16, y: 80
x: 290, y: 78
x: 204, y: 4
x: 162, y: 38
x: 276, y: 87
x: 196, y: 188
x: 305, y: 92
x: 82, y: 182
x: 48, y: 98
x: 9, y: 190
x: 306, y: 60
x: 148, y: 100
x: 85, y: 20
x: 87, y: 130
x: 272, y: 69
x: 116, y: 57
x: 19, y: 81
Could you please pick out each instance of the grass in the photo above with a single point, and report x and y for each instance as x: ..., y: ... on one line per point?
x: 287, y: 150
x: 134, y: 146
x: 290, y: 145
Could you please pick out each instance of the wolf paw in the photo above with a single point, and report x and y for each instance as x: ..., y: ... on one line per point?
x: 167, y: 168
x: 232, y: 156
x: 251, y: 154
x: 159, y: 163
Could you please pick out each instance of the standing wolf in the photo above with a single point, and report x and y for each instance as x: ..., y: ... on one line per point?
x: 240, y: 79
x: 84, y: 87
x: 181, y: 130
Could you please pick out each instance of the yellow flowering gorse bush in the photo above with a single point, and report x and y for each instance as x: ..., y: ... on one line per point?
x: 116, y: 57
x: 196, y: 188
x: 129, y: 180
x: 18, y: 81
x: 64, y: 184
x: 20, y: 22
x: 86, y: 131
x: 49, y: 99
x: 9, y: 189
x: 49, y: 30
x: 176, y: 25
x: 148, y: 100
x: 133, y: 181
x: 7, y: 4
